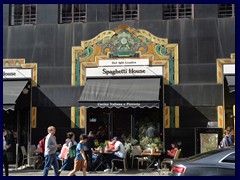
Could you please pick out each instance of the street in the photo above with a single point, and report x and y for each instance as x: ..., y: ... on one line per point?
x: 130, y: 172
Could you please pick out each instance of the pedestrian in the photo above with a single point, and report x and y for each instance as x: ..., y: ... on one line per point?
x: 5, y: 147
x: 80, y: 161
x: 89, y: 146
x: 68, y: 160
x: 227, y: 139
x: 50, y: 152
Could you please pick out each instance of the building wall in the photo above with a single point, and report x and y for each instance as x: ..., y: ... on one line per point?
x: 200, y: 40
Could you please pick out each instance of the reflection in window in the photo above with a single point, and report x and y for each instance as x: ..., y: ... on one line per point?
x: 124, y: 12
x: 23, y: 14
x: 70, y: 13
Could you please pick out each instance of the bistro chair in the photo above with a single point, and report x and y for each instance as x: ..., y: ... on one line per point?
x: 124, y: 161
x: 25, y: 156
x: 168, y: 161
x: 137, y: 155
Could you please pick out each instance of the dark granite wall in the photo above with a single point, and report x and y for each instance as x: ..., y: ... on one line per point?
x: 200, y: 40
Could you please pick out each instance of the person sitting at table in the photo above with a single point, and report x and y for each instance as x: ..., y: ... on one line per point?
x: 118, y: 153
x: 169, y: 154
x: 110, y: 145
x: 97, y: 157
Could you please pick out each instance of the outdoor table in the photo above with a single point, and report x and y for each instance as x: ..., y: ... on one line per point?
x: 105, y: 153
x: 153, y: 158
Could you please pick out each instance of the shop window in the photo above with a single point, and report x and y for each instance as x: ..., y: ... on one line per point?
x: 177, y: 11
x: 71, y: 13
x: 124, y: 12
x: 23, y: 14
x: 226, y: 10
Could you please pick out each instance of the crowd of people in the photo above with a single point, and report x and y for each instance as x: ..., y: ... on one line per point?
x: 84, y: 156
x: 87, y: 154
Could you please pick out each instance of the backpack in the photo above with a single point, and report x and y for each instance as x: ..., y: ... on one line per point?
x: 72, y: 151
x: 41, y: 145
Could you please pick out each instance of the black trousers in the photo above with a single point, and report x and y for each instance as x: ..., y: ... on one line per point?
x: 88, y: 155
x: 5, y: 163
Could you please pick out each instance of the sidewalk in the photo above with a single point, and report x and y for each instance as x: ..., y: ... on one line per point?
x: 130, y: 172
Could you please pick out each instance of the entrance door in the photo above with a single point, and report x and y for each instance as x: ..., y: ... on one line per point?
x: 17, y: 124
x: 122, y: 122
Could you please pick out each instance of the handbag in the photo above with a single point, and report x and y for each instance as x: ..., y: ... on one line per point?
x: 64, y: 152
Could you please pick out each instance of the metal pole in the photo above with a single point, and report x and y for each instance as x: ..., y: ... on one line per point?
x: 131, y: 125
x: 17, y: 143
x: 16, y: 164
x: 109, y: 125
x: 163, y: 105
x: 30, y: 125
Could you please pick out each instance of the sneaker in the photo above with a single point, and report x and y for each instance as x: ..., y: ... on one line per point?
x: 107, y: 170
x: 156, y: 164
x: 59, y: 172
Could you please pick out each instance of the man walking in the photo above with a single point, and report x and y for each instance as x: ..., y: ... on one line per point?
x: 89, y: 146
x: 50, y: 152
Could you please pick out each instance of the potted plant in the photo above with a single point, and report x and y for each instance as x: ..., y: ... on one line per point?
x: 153, y: 147
x: 102, y: 147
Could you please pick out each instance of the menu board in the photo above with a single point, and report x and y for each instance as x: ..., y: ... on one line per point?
x: 208, y: 142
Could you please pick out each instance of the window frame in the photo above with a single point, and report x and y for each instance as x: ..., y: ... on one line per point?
x: 24, y: 17
x: 73, y: 17
x: 124, y: 13
x: 228, y: 158
x: 222, y: 13
x: 177, y: 11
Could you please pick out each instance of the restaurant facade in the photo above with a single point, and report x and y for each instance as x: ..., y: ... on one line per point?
x: 123, y: 76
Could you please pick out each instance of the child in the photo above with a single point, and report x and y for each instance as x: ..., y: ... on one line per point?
x: 80, y: 161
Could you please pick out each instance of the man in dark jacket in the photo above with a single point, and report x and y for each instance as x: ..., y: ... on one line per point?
x: 88, y: 147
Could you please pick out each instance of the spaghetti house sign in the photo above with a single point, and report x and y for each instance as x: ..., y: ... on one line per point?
x: 124, y: 67
x: 126, y: 89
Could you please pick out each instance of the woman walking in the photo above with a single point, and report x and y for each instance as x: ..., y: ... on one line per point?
x: 68, y: 160
x: 80, y: 161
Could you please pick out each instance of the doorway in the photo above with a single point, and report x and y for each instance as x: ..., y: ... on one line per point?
x: 16, y: 122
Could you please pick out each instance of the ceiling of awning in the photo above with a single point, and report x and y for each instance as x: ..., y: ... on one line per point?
x: 11, y: 91
x: 131, y: 92
x: 231, y: 82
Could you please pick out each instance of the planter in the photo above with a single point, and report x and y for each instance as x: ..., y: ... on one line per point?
x: 153, y: 150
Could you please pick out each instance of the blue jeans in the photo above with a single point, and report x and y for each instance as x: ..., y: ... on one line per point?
x: 51, y: 160
x: 109, y: 159
x: 68, y: 164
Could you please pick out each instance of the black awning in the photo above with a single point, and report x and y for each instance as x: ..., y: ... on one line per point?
x: 231, y: 83
x: 11, y: 91
x: 134, y: 92
x: 8, y: 107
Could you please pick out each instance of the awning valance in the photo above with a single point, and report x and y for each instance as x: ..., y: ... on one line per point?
x: 231, y: 82
x: 11, y: 91
x: 132, y: 92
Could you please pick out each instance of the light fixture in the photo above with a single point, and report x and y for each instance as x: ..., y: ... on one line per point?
x: 25, y: 91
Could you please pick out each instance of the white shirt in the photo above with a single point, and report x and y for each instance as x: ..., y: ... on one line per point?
x: 121, y: 153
